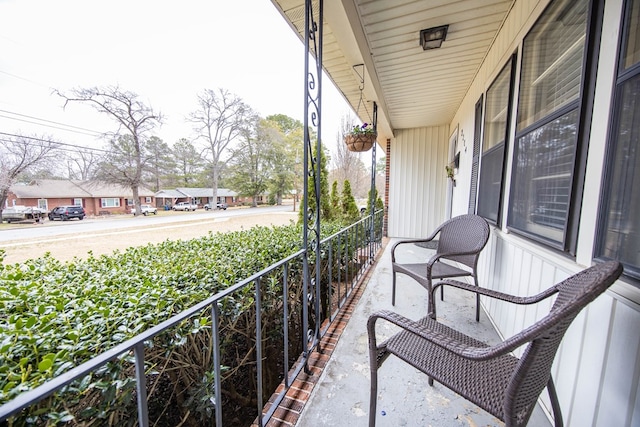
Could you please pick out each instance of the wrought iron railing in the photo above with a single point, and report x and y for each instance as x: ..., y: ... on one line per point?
x: 344, y: 259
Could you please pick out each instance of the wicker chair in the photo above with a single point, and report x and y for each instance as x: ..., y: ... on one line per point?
x: 490, y: 376
x: 460, y: 239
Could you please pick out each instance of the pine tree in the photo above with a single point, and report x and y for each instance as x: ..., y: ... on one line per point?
x: 325, y: 202
x: 350, y: 212
x: 378, y: 202
x: 335, y: 199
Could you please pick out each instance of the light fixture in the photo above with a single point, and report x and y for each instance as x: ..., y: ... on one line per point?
x: 432, y: 38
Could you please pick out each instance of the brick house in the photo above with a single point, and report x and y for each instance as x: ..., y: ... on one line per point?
x: 97, y: 197
x: 197, y: 195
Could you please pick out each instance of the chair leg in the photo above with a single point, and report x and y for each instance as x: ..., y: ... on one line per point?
x: 475, y: 279
x: 373, y: 396
x: 431, y: 309
x: 393, y: 289
x: 555, y: 405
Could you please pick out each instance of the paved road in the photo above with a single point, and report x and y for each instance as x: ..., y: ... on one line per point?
x: 89, y: 225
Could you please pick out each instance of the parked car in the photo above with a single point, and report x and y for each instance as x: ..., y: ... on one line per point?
x: 184, y: 206
x: 146, y: 210
x: 65, y: 213
x: 219, y: 205
x: 22, y: 213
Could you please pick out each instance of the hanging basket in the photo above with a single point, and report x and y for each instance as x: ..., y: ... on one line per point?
x: 360, y: 142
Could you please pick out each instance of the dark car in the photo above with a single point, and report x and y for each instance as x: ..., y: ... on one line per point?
x: 65, y: 213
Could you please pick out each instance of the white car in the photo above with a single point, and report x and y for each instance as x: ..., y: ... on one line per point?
x: 146, y: 210
x: 184, y: 206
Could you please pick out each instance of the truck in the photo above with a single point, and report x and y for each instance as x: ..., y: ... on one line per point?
x: 185, y: 206
x: 23, y: 213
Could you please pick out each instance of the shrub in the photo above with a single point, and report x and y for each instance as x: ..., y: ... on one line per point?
x: 56, y: 315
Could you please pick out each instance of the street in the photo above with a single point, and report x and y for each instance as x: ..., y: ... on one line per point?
x: 102, y: 236
x: 97, y: 224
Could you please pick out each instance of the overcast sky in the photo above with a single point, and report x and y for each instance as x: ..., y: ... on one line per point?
x: 165, y: 51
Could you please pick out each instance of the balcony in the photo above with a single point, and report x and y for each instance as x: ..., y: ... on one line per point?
x: 329, y: 383
x: 337, y: 392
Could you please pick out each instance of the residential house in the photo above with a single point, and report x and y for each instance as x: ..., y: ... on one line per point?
x: 97, y: 197
x: 538, y: 101
x: 197, y: 195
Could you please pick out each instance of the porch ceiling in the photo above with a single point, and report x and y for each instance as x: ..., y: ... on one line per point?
x: 412, y: 87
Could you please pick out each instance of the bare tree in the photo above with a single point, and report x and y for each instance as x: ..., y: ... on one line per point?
x: 19, y: 154
x: 220, y: 120
x: 82, y: 164
x: 347, y: 165
x: 133, y: 116
x: 345, y: 162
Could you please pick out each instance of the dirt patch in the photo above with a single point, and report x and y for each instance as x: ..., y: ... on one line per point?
x: 66, y: 247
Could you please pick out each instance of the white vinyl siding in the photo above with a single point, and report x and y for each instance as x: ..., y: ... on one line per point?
x: 417, y: 182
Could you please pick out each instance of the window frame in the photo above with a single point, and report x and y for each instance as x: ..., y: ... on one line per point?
x: 623, y: 75
x: 475, y: 161
x: 512, y: 63
x: 584, y: 106
x: 103, y: 201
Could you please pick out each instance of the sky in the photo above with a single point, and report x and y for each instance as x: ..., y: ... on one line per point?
x: 165, y: 51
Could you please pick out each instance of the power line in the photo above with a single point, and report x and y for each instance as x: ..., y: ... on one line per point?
x: 50, y: 126
x: 48, y: 121
x: 23, y: 78
x: 74, y: 146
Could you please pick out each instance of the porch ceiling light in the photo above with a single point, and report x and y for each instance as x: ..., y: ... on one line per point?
x: 432, y: 38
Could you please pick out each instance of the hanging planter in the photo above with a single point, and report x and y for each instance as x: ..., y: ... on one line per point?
x: 361, y: 138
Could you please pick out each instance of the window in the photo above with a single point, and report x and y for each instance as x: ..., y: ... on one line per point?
x: 43, y: 204
x: 619, y: 231
x: 475, y: 165
x: 77, y: 202
x: 129, y: 202
x: 548, y: 124
x: 493, y: 145
x: 147, y: 199
x: 110, y: 202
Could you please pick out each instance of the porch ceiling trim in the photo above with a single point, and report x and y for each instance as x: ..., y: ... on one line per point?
x: 412, y: 87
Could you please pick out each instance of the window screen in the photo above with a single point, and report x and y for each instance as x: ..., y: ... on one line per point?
x: 548, y: 114
x: 552, y: 61
x: 475, y: 166
x: 493, y: 145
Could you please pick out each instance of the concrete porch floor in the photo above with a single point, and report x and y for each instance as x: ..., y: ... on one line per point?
x: 341, y: 395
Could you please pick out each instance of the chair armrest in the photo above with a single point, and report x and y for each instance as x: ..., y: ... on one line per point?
x: 402, y: 242
x: 444, y: 255
x: 455, y: 346
x: 441, y: 340
x: 533, y: 299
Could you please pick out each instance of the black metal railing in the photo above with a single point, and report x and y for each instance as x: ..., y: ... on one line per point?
x: 344, y: 259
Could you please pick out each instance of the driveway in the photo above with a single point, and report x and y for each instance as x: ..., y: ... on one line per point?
x: 104, y: 235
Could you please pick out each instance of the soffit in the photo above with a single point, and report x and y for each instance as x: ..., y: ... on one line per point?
x: 412, y: 87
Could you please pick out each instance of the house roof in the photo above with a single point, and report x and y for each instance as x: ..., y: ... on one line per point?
x: 49, y: 188
x: 412, y: 87
x: 67, y: 188
x: 201, y: 192
x: 169, y: 194
x: 105, y: 189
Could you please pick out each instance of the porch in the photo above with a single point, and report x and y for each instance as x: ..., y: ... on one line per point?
x: 336, y: 393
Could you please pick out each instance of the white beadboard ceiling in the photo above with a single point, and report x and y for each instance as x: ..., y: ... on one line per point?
x: 412, y: 87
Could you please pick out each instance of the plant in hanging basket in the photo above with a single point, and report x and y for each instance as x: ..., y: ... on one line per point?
x: 361, y: 138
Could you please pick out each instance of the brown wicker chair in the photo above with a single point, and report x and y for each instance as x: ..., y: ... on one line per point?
x: 460, y: 239
x: 490, y: 376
